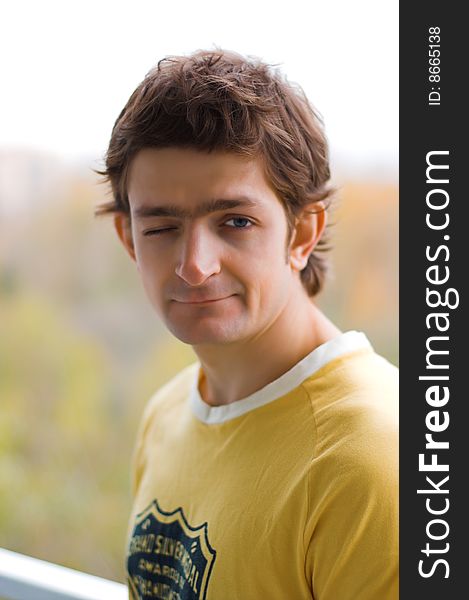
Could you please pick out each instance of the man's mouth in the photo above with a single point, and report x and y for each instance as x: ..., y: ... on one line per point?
x: 202, y: 300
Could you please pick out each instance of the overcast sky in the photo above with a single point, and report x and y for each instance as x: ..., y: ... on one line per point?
x: 68, y: 67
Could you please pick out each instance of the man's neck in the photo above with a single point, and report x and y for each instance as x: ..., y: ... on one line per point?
x: 235, y: 371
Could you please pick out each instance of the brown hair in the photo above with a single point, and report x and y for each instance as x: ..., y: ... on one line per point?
x: 220, y: 100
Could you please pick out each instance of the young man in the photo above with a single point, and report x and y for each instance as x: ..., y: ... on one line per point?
x: 267, y: 469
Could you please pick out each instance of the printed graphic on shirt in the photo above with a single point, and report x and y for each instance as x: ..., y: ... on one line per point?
x: 167, y: 558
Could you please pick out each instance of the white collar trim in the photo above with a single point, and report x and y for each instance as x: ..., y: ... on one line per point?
x: 344, y: 343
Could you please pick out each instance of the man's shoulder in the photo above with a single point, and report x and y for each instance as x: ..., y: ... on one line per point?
x: 355, y: 403
x: 360, y: 377
x: 172, y: 394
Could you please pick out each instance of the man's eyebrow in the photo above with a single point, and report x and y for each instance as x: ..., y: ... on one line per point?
x: 172, y: 210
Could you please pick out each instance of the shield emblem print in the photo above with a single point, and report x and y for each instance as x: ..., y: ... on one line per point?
x: 168, y: 558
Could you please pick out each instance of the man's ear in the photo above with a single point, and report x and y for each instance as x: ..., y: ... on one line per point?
x: 310, y: 225
x: 123, y: 228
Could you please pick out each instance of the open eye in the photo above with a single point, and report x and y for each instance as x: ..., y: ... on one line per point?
x: 240, y: 222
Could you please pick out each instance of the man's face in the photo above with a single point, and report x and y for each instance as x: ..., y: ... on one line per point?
x: 209, y: 238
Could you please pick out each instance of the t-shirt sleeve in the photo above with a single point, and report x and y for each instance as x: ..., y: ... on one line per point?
x: 138, y: 464
x: 176, y: 387
x: 138, y: 458
x: 352, y: 524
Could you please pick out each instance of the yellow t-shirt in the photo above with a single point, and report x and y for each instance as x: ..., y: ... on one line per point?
x: 288, y: 494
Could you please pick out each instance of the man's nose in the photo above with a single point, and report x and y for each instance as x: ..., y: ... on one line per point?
x: 198, y: 255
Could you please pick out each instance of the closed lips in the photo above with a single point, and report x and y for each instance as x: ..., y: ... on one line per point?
x: 201, y: 301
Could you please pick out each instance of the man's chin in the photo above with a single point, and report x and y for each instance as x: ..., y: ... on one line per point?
x: 197, y: 334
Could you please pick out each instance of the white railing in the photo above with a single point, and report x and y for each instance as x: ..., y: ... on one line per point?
x: 26, y: 578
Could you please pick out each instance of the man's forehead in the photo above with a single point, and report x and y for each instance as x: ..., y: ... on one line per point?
x: 170, y: 162
x: 188, y: 183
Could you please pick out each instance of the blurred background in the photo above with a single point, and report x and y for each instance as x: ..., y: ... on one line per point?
x: 80, y: 349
